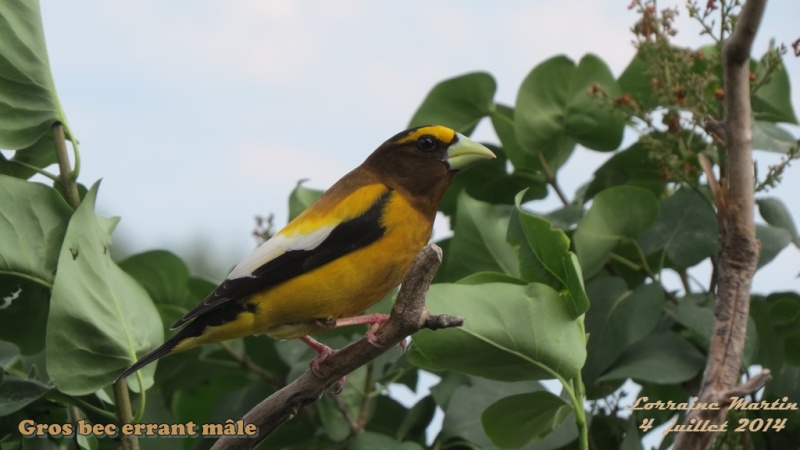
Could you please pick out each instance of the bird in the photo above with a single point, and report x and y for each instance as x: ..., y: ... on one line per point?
x: 340, y: 256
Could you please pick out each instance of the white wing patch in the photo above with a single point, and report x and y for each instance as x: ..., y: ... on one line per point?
x: 276, y: 246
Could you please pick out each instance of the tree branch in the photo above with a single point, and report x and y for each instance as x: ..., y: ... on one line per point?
x: 409, y: 315
x: 739, y: 249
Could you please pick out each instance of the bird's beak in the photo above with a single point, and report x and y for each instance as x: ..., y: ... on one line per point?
x: 465, y: 153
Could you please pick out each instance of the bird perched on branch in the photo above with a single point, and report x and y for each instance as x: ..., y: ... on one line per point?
x: 340, y: 256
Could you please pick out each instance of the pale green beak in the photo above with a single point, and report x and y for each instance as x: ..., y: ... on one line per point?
x: 465, y: 153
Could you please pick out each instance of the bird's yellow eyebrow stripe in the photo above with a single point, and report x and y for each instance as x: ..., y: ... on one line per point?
x: 443, y: 134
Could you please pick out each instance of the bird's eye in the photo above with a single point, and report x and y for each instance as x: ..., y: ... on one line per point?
x: 426, y: 143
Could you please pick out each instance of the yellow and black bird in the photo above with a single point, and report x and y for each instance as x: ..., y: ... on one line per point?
x: 340, y: 256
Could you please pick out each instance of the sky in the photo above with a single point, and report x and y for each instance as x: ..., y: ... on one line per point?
x: 200, y: 115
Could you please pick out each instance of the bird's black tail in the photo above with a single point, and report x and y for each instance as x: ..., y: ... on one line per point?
x: 163, y: 350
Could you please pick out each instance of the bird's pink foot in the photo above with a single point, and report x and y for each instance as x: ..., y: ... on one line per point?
x: 323, y: 352
x: 374, y: 320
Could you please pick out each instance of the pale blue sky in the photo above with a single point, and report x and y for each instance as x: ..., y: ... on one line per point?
x: 199, y: 115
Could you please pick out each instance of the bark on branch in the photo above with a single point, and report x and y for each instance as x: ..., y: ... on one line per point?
x: 739, y: 249
x: 409, y: 315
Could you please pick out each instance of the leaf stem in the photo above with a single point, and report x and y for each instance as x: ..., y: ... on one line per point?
x: 80, y: 403
x: 550, y: 178
x: 41, y: 172
x: 67, y: 176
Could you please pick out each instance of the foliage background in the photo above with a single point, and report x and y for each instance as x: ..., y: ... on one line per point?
x: 209, y: 186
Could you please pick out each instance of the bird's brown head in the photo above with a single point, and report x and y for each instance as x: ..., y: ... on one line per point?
x: 424, y: 159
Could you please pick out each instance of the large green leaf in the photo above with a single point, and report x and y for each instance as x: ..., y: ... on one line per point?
x: 459, y: 103
x: 636, y: 82
x: 773, y: 101
x: 101, y: 320
x: 663, y: 358
x: 166, y: 279
x: 28, y: 102
x: 301, y: 198
x: 524, y: 162
x: 376, y: 441
x: 632, y: 166
x: 511, y: 332
x: 617, y: 213
x: 771, y: 137
x: 16, y: 393
x: 784, y: 316
x: 549, y: 248
x: 555, y: 108
x: 618, y: 319
x: 463, y: 413
x: 479, y: 240
x: 33, y: 221
x: 23, y: 313
x: 518, y: 419
x: 686, y: 229
x: 775, y: 212
x: 773, y: 241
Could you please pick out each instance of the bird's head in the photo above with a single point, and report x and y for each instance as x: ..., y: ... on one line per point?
x: 424, y: 159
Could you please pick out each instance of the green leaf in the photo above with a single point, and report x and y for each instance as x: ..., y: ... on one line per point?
x: 773, y: 101
x: 773, y: 241
x: 555, y: 108
x: 163, y: 274
x: 101, y: 320
x: 28, y: 102
x: 518, y: 419
x: 301, y: 198
x: 479, y: 240
x: 375, y: 441
x: 166, y: 279
x: 772, y: 138
x: 617, y: 213
x: 696, y: 313
x: 632, y: 166
x: 635, y: 81
x: 33, y: 221
x: 686, y: 229
x: 775, y: 212
x: 525, y: 162
x: 41, y: 154
x: 417, y: 420
x: 462, y: 417
x: 784, y: 324
x: 459, y: 103
x: 16, y: 393
x: 23, y: 313
x: 550, y: 247
x: 618, y: 319
x: 511, y: 332
x: 663, y: 358
x: 9, y: 354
